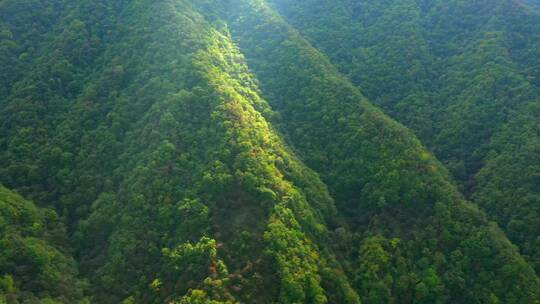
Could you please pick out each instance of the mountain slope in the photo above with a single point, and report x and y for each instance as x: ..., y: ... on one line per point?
x: 34, y: 265
x: 23, y: 25
x: 457, y: 73
x: 165, y: 144
x: 381, y: 177
x: 508, y: 183
x: 141, y: 123
x: 453, y: 78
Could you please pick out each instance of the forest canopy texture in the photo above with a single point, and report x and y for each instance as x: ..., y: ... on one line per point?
x: 269, y: 151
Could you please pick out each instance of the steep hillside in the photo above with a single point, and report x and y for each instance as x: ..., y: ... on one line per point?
x: 158, y: 155
x: 23, y: 25
x: 384, y: 182
x: 455, y: 72
x: 34, y: 264
x: 205, y: 152
x: 454, y: 78
x: 508, y: 183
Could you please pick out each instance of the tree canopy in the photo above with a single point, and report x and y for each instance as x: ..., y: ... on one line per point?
x: 249, y: 151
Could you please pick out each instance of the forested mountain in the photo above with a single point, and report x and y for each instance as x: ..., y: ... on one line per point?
x: 467, y: 83
x: 35, y: 265
x: 240, y: 151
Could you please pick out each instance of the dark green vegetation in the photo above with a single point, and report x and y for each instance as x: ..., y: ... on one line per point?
x: 464, y: 75
x: 207, y: 152
x: 35, y: 266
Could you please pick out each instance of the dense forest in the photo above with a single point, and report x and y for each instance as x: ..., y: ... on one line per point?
x: 269, y: 151
x: 468, y: 87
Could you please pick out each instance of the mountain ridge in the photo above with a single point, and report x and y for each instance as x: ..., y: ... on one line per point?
x: 457, y: 86
x: 205, y: 152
